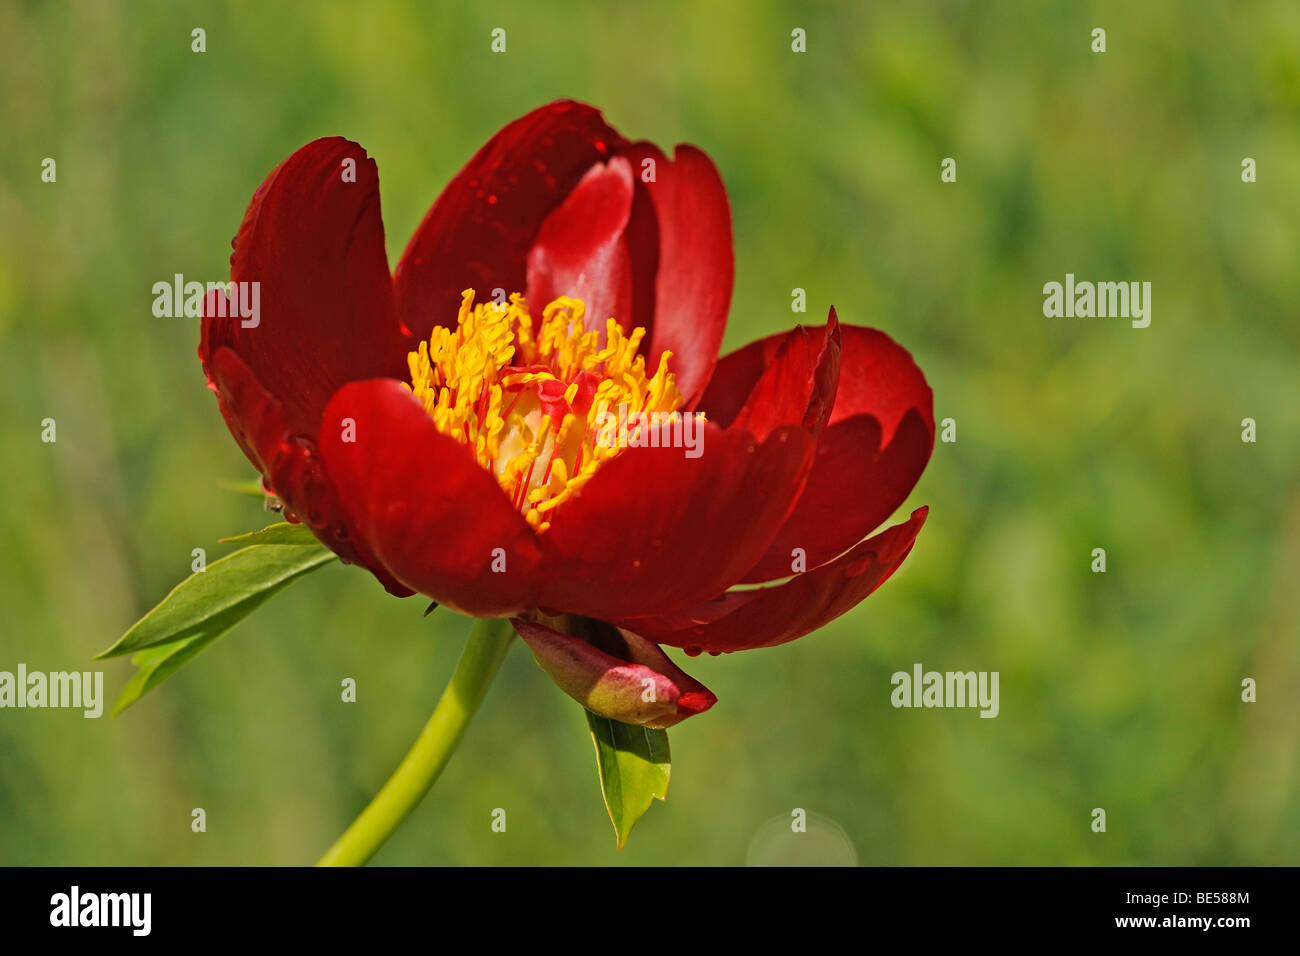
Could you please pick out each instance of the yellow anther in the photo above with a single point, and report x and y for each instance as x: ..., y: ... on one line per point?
x: 481, y: 384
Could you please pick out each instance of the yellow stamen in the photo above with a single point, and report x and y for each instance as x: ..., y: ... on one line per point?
x: 532, y: 405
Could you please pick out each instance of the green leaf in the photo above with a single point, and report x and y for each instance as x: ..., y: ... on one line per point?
x: 209, y: 602
x: 206, y: 605
x: 634, y: 766
x: 280, y: 533
x: 157, y: 664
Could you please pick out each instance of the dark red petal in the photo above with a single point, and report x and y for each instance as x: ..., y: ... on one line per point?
x: 764, y: 617
x: 478, y: 233
x: 799, y: 385
x: 613, y: 673
x: 880, y: 437
x: 655, y: 530
x: 314, y: 243
x: 641, y: 239
x: 854, y: 487
x: 696, y: 265
x: 417, y: 499
x: 580, y: 251
x: 735, y: 377
x: 290, y: 463
x: 879, y: 377
x: 259, y: 406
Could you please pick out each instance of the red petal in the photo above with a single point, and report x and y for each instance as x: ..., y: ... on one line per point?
x: 423, y: 506
x: 656, y: 530
x: 880, y: 437
x: 798, y: 387
x: 291, y: 463
x: 854, y: 487
x: 479, y: 231
x: 695, y: 261
x: 764, y: 617
x: 615, y: 678
x: 315, y: 245
x: 878, y: 377
x: 580, y: 251
x: 735, y: 377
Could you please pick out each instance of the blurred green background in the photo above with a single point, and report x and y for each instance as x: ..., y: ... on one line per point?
x: 1118, y: 690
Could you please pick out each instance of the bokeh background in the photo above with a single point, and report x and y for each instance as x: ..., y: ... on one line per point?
x: 1118, y: 690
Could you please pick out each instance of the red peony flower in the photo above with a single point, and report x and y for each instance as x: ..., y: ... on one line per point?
x: 449, y: 426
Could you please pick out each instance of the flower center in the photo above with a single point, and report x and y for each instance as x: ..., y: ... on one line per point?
x: 532, y: 403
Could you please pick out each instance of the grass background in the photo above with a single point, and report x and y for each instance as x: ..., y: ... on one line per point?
x: 1119, y: 691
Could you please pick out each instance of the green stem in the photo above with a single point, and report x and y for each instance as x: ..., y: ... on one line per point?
x: 484, y: 652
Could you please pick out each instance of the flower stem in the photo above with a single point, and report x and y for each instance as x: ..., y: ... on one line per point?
x: 486, y: 649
